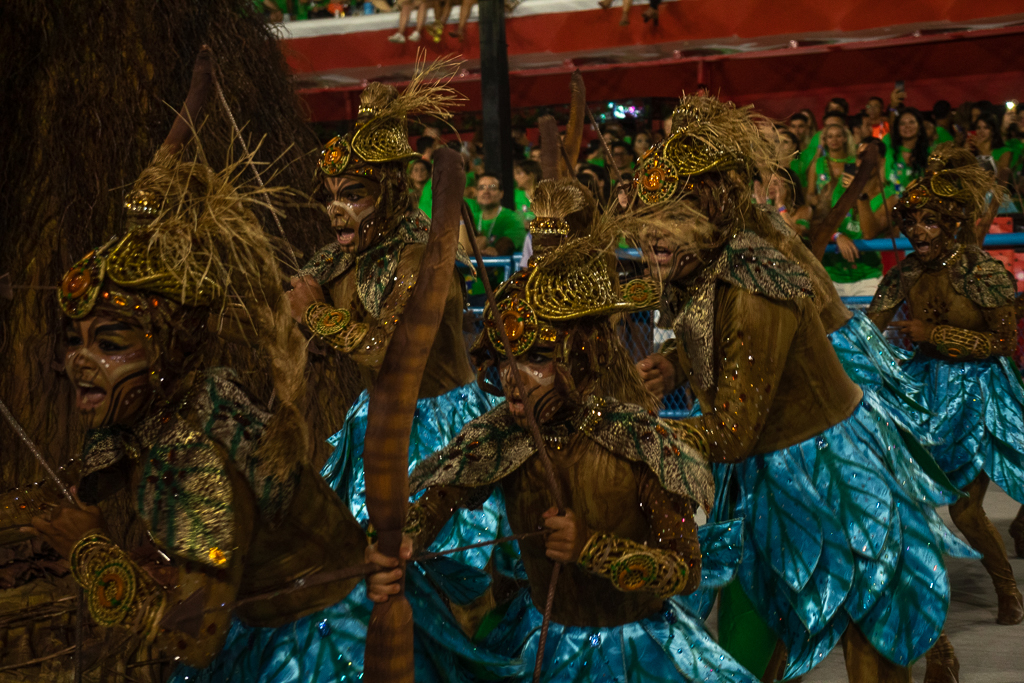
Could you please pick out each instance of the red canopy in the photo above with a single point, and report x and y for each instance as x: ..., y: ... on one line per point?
x: 778, y: 56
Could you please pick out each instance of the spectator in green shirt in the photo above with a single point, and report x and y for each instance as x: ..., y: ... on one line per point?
x: 815, y: 145
x: 499, y: 231
x: 622, y: 157
x: 985, y: 141
x: 527, y: 174
x: 907, y: 151
x: 942, y: 114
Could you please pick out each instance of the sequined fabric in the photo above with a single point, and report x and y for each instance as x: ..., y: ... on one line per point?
x: 871, y: 361
x: 376, y: 266
x: 436, y: 422
x: 974, y: 274
x: 493, y: 446
x: 977, y: 422
x: 235, y: 421
x: 183, y: 473
x: 328, y: 646
x: 748, y: 262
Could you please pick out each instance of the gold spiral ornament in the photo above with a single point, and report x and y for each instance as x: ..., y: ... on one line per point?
x: 112, y: 594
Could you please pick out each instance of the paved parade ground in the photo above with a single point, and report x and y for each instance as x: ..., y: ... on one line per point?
x: 988, y: 653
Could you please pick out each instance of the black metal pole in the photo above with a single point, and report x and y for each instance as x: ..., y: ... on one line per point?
x: 496, y: 100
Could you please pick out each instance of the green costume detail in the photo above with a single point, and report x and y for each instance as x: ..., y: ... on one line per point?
x: 184, y: 494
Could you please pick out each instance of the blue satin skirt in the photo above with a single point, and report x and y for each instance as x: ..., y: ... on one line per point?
x: 872, y: 362
x: 840, y: 529
x: 978, y: 423
x: 438, y: 420
x: 667, y: 647
x: 327, y: 646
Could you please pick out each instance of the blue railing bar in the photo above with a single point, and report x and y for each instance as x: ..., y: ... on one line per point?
x: 995, y: 241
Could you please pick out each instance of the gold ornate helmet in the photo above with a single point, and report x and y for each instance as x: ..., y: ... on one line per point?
x: 955, y: 187
x: 567, y: 297
x: 194, y: 247
x: 191, y: 239
x: 708, y: 136
x: 381, y: 134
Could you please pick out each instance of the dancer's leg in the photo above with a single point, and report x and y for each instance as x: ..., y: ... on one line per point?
x: 1017, y: 532
x: 864, y: 663
x: 943, y: 666
x: 970, y: 518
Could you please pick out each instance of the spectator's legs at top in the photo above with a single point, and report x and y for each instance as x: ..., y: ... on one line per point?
x: 464, y: 11
x: 403, y: 23
x: 651, y: 13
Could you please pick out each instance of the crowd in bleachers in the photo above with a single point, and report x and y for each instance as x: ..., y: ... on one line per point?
x: 820, y: 155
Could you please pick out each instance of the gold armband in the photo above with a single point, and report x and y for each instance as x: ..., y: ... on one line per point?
x: 957, y: 342
x: 334, y: 325
x: 115, y: 589
x: 631, y: 566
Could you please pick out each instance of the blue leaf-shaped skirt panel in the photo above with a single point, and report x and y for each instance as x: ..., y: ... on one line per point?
x: 667, y: 647
x: 977, y: 423
x: 871, y: 361
x: 841, y: 529
x: 327, y: 646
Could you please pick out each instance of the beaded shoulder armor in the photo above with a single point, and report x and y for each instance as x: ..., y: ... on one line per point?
x: 973, y: 274
x: 375, y: 267
x: 748, y: 262
x: 184, y: 496
x: 492, y: 446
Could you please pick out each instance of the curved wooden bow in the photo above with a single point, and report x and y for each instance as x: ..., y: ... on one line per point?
x: 389, y: 640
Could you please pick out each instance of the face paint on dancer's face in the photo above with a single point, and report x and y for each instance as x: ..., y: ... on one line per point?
x: 674, y: 254
x: 351, y: 204
x: 927, y: 237
x: 537, y: 370
x: 108, y: 363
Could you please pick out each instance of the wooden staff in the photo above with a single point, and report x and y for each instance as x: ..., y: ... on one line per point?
x: 389, y: 638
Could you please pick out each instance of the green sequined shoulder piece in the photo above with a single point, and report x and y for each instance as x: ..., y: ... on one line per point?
x: 983, y: 279
x: 184, y: 496
x: 747, y: 261
x: 487, y: 449
x: 973, y: 274
x: 754, y: 265
x: 375, y: 267
x: 328, y: 264
x: 234, y: 419
x: 895, y: 284
x: 636, y: 434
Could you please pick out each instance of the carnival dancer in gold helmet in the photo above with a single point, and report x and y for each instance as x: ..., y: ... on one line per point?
x: 841, y: 538
x: 627, y: 538
x: 351, y: 294
x: 964, y: 326
x: 196, y: 501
